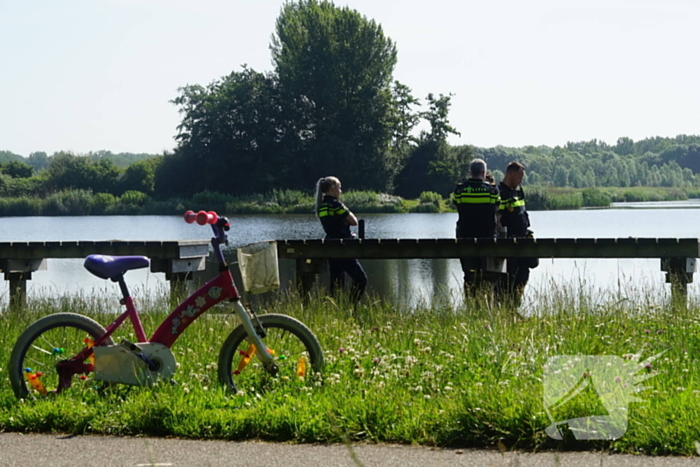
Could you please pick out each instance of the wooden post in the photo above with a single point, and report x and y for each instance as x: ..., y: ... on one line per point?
x: 679, y: 273
x: 307, y: 271
x: 18, y: 288
x: 178, y: 285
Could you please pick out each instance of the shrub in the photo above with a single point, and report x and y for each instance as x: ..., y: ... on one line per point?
x: 424, y: 207
x: 290, y: 198
x: 69, y: 203
x: 430, y: 197
x: 210, y: 201
x: 133, y: 198
x: 595, y: 197
x: 101, y: 201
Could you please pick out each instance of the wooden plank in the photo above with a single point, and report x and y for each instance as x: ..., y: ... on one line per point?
x: 509, y: 247
x: 79, y: 249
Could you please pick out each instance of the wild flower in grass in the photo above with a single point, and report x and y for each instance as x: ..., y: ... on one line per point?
x: 376, y: 360
x: 416, y: 342
x: 478, y: 384
x: 426, y: 396
x: 185, y: 389
x: 359, y: 372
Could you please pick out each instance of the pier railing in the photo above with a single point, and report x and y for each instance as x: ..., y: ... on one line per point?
x: 177, y: 259
x: 677, y: 255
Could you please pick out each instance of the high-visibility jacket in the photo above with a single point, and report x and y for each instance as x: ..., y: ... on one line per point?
x: 512, y: 211
x: 477, y: 203
x: 332, y: 213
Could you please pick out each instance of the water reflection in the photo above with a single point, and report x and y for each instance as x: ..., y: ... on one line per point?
x: 403, y: 282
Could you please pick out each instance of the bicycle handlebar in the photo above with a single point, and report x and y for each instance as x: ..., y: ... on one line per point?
x: 218, y: 224
x: 201, y: 217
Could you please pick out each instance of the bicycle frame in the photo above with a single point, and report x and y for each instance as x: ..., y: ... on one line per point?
x: 222, y: 287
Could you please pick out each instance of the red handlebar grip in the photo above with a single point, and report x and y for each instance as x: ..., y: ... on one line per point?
x: 204, y: 217
x: 190, y: 217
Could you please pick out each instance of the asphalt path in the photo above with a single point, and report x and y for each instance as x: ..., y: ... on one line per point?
x: 59, y: 450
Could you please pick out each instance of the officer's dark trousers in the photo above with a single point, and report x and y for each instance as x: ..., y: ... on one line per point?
x: 512, y: 286
x: 476, y: 277
x: 339, y: 267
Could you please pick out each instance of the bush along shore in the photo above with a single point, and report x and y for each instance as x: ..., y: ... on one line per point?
x: 85, y: 202
x: 469, y: 376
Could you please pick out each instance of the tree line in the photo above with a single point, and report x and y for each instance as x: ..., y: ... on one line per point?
x: 330, y: 106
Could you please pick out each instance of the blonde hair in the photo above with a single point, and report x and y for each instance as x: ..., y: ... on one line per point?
x: 322, y: 186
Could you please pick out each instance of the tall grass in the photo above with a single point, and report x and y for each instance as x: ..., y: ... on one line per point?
x: 443, y: 376
x: 82, y: 202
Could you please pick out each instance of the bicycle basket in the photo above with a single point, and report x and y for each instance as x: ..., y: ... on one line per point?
x: 258, y: 265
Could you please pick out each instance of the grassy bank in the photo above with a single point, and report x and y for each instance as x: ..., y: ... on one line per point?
x: 82, y: 203
x: 471, y: 376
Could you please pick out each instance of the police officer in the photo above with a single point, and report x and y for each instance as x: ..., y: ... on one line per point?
x: 514, y: 217
x: 336, y: 220
x: 477, y: 203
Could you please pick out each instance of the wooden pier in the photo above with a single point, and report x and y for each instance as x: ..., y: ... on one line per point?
x: 677, y: 255
x: 177, y: 259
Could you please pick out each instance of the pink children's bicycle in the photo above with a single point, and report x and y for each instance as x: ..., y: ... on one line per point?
x: 66, y: 349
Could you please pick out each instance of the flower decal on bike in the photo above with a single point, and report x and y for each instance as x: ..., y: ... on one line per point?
x: 215, y: 292
x: 200, y: 301
x: 176, y: 323
x: 189, y: 311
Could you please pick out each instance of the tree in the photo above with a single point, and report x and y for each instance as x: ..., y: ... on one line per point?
x: 229, y: 138
x: 335, y: 70
x: 140, y: 176
x: 39, y: 160
x: 433, y: 165
x: 17, y: 169
x: 69, y: 171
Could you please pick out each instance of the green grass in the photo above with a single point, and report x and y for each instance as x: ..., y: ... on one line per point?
x: 441, y: 376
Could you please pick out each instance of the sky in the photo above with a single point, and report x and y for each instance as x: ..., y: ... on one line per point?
x: 90, y: 75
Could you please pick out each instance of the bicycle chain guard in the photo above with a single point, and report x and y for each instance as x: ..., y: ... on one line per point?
x: 120, y: 364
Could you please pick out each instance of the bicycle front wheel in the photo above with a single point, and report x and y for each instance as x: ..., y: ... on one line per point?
x: 46, y: 343
x: 295, y: 349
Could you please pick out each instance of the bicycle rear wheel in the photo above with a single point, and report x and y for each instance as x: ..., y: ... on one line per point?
x: 45, y: 343
x: 295, y: 349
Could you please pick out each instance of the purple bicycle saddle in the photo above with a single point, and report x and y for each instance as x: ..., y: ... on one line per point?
x: 108, y: 267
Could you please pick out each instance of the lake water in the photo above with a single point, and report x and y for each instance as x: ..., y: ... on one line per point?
x: 400, y: 281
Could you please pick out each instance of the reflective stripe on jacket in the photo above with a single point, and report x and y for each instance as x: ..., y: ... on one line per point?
x: 332, y: 213
x: 477, y: 203
x: 513, y: 212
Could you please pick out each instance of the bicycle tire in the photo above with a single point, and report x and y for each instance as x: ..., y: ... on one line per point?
x: 46, y: 342
x: 287, y: 353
